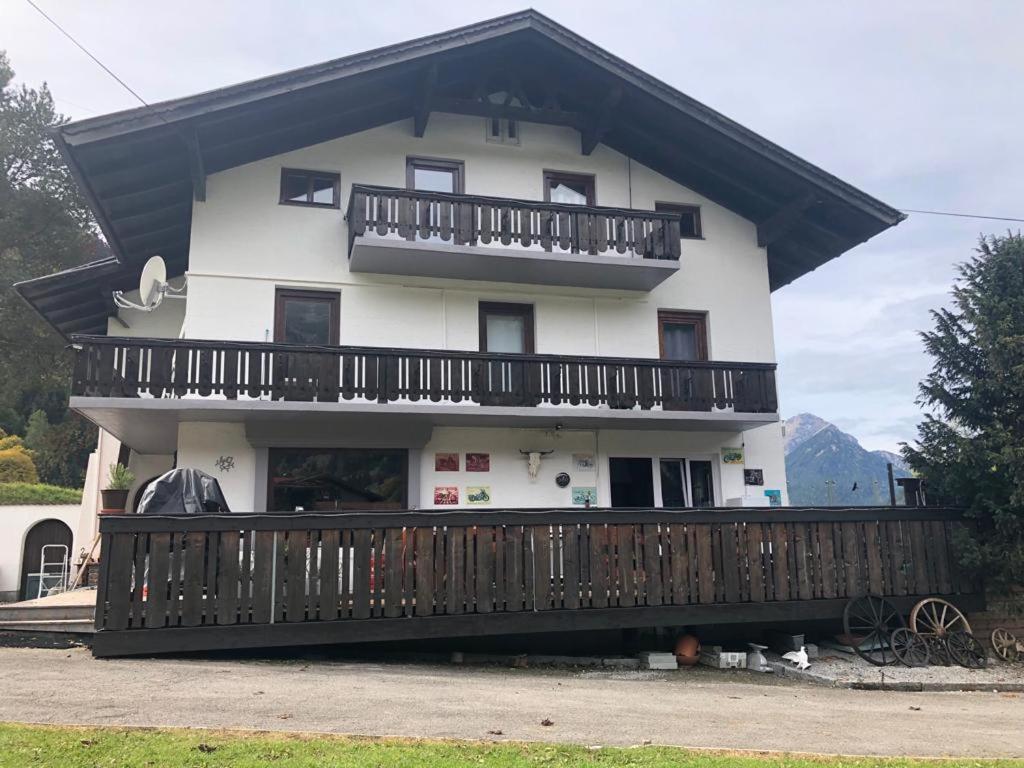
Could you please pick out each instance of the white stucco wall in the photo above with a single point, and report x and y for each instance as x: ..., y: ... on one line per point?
x: 244, y: 244
x: 200, y: 445
x: 15, y: 523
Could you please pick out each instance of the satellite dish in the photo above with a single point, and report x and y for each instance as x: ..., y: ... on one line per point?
x: 153, y: 288
x: 152, y: 281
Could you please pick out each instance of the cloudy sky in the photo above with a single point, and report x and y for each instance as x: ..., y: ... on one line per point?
x: 917, y: 103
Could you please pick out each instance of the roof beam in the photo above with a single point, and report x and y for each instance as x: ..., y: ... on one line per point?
x: 592, y: 135
x: 511, y: 112
x: 196, y: 167
x: 779, y: 223
x: 425, y: 96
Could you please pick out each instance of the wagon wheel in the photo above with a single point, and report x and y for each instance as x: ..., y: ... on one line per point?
x: 871, y: 620
x: 910, y: 648
x: 1005, y: 645
x: 965, y: 650
x: 938, y: 653
x: 935, y: 616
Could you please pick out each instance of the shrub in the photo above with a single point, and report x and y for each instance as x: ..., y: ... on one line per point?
x: 11, y: 441
x: 16, y: 466
x: 37, y: 493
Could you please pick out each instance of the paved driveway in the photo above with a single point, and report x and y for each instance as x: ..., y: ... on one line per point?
x: 702, y: 709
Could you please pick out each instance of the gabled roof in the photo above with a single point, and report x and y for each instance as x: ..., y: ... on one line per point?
x: 141, y: 168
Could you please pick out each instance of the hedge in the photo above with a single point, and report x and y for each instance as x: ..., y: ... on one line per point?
x: 37, y: 493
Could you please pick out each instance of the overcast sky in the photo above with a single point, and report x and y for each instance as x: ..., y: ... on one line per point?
x: 918, y: 103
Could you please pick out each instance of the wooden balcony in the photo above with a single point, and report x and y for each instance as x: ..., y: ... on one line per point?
x: 468, y: 237
x: 191, y: 583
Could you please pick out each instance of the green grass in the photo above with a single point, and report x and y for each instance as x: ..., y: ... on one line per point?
x: 37, y: 493
x: 72, y: 747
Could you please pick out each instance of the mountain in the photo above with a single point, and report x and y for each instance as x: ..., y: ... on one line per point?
x: 817, y: 451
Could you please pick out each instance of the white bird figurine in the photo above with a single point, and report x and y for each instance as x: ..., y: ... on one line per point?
x: 798, y: 657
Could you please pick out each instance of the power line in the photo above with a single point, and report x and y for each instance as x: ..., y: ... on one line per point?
x: 85, y: 50
x: 962, y: 215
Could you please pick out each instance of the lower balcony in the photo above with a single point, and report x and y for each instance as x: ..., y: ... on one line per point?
x: 118, y: 381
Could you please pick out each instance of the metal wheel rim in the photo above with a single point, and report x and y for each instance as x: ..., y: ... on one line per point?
x: 910, y: 648
x: 1004, y: 644
x: 966, y: 651
x: 935, y: 616
x: 871, y: 620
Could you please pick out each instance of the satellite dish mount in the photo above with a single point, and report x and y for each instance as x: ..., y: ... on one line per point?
x: 153, y: 288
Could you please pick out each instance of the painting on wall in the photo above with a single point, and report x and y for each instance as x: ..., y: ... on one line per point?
x: 478, y: 462
x: 732, y: 455
x: 446, y: 495
x: 774, y: 498
x: 753, y: 477
x: 583, y: 461
x: 584, y: 496
x: 446, y: 462
x: 478, y: 494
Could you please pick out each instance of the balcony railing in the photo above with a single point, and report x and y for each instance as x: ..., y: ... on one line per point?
x: 474, y: 220
x: 108, y: 366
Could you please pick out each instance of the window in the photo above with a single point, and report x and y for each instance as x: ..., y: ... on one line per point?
x: 501, y: 130
x: 632, y: 482
x: 569, y: 188
x: 506, y: 327
x: 317, y: 188
x: 689, y: 218
x: 673, y: 483
x: 682, y: 335
x: 702, y: 484
x: 431, y: 175
x: 306, y: 317
x: 316, y: 479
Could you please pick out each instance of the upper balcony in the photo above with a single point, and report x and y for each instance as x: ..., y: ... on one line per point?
x: 468, y: 237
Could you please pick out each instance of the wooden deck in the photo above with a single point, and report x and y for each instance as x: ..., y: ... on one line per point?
x: 180, y: 583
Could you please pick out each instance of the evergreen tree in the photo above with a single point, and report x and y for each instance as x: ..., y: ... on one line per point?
x: 970, y: 448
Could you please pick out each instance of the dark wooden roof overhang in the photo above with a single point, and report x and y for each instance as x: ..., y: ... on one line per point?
x: 141, y: 169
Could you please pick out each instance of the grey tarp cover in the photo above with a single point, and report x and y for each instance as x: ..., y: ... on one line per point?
x: 183, y: 492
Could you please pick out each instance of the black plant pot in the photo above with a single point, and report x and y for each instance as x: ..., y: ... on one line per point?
x: 114, y: 502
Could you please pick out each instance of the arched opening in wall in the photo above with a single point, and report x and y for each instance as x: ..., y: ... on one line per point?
x: 43, y: 533
x: 142, y: 490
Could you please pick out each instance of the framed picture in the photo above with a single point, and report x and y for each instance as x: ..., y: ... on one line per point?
x: 478, y: 462
x: 732, y: 455
x: 583, y: 462
x: 753, y: 477
x: 478, y: 494
x: 446, y: 462
x: 774, y: 498
x: 582, y: 496
x: 446, y: 495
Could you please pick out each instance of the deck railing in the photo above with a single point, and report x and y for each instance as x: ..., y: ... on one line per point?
x: 474, y: 220
x: 458, y: 572
x: 108, y: 366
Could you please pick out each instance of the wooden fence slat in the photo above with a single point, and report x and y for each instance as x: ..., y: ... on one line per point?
x: 542, y: 572
x: 755, y: 562
x: 157, y: 580
x: 139, y: 579
x: 876, y: 584
x: 119, y: 580
x: 262, y: 577
x: 679, y: 567
x: 780, y: 560
x: 652, y: 565
x: 424, y: 551
x: 192, y: 583
x: 484, y: 570
x: 227, y: 578
x: 599, y: 564
x: 329, y: 543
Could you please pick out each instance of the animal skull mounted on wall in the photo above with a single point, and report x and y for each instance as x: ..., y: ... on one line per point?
x: 533, y: 461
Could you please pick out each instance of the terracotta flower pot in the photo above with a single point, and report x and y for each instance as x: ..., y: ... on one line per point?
x: 114, y: 502
x: 687, y: 650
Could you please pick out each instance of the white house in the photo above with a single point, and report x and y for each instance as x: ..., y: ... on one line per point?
x: 497, y: 267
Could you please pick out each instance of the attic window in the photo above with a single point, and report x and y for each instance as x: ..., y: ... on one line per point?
x: 501, y: 130
x: 320, y: 189
x: 689, y: 222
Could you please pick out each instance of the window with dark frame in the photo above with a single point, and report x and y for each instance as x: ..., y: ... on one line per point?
x: 506, y: 327
x: 682, y: 335
x: 427, y: 174
x: 324, y: 479
x: 306, y: 317
x: 689, y: 219
x: 320, y: 189
x: 569, y: 188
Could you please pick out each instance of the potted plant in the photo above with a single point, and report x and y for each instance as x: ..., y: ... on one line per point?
x: 115, y: 495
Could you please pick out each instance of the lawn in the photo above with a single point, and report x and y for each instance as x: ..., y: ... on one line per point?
x: 25, y: 745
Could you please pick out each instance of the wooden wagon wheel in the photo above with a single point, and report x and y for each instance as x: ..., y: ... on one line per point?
x: 1006, y: 646
x: 910, y: 648
x: 965, y: 650
x: 870, y: 622
x: 935, y: 616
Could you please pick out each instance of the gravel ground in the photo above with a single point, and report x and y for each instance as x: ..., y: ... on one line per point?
x: 844, y: 668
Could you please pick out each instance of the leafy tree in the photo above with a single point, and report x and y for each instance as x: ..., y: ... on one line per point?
x: 35, y: 432
x: 45, y: 226
x: 970, y: 448
x: 64, y: 451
